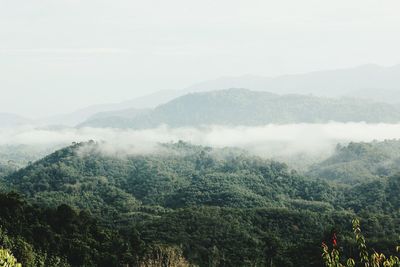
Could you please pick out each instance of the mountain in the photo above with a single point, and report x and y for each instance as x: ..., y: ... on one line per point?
x: 390, y: 96
x: 178, y: 175
x: 194, y: 198
x: 360, y: 162
x: 244, y: 107
x: 210, y: 207
x: 12, y: 120
x: 366, y: 81
x: 81, y: 115
x: 14, y: 157
x: 114, y: 119
x: 371, y: 82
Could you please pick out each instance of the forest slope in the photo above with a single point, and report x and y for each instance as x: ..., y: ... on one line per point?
x: 218, y: 207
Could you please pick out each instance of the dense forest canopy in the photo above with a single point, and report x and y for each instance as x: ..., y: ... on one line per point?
x: 190, y: 204
x: 360, y: 162
x: 16, y: 156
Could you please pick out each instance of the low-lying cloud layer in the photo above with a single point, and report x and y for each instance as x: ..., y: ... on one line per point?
x: 269, y: 140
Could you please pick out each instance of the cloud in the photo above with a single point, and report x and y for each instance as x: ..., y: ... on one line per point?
x: 272, y: 141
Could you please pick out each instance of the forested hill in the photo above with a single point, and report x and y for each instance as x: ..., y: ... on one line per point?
x: 181, y: 175
x: 360, y: 162
x: 14, y: 157
x: 190, y: 204
x: 244, y: 107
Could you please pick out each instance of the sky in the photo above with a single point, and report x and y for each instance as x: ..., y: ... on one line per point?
x: 60, y: 55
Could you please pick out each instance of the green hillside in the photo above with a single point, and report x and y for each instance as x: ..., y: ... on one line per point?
x: 182, y: 175
x: 360, y: 162
x: 213, y: 207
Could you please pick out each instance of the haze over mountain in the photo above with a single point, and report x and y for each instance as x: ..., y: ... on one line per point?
x: 12, y: 120
x: 250, y: 108
x: 76, y: 117
x: 371, y: 82
x: 365, y: 81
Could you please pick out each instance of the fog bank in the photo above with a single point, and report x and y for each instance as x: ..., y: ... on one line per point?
x: 269, y: 141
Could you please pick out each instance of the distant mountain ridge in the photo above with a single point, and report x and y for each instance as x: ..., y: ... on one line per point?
x: 12, y: 120
x: 114, y: 119
x: 366, y: 81
x: 235, y: 107
x: 143, y: 102
x: 369, y: 82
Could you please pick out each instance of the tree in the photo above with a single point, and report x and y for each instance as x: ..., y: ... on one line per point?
x: 7, y: 259
x: 366, y: 259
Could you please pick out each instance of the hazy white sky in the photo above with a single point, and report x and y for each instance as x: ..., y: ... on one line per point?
x: 60, y: 55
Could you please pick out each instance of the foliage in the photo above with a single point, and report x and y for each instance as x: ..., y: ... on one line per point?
x: 182, y: 175
x: 7, y: 259
x: 365, y: 258
x: 360, y: 162
x: 192, y: 205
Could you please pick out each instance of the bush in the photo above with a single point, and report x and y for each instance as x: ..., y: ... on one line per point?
x: 7, y: 259
x: 366, y: 258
